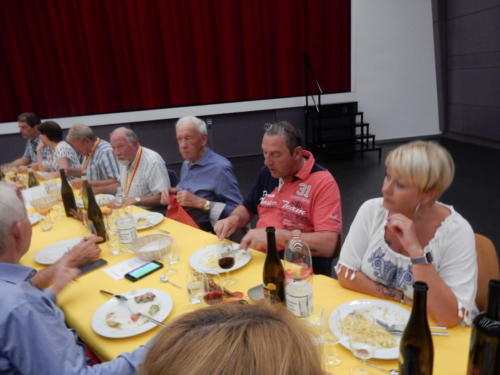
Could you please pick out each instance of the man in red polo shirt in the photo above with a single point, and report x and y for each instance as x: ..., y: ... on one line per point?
x: 292, y: 192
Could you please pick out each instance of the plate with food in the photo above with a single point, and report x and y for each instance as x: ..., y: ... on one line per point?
x: 101, y: 199
x: 35, y: 218
x: 117, y: 319
x: 144, y: 220
x: 206, y: 260
x: 356, y: 322
x: 52, y: 253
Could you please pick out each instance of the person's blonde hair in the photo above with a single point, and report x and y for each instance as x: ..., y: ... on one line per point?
x: 426, y: 165
x: 253, y: 339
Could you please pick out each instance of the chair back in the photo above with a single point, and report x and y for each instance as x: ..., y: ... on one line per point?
x: 487, y: 268
x: 173, y: 177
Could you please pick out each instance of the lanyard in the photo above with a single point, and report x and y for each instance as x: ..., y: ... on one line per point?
x: 132, y: 173
x: 89, y: 157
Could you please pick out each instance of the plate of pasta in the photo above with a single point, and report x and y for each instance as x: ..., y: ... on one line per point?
x: 355, y: 321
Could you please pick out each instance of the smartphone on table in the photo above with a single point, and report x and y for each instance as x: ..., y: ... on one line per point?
x: 143, y: 271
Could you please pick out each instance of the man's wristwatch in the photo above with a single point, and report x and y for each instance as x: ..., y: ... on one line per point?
x: 426, y: 259
x: 207, y: 205
x: 137, y: 199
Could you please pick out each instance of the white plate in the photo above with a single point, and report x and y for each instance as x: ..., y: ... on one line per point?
x: 101, y: 199
x: 376, y: 309
x: 205, y: 259
x: 34, y: 218
x: 151, y: 219
x: 122, y: 314
x: 54, y: 252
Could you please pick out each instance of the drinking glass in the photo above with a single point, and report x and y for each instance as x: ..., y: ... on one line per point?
x: 42, y: 206
x: 226, y: 261
x: 213, y: 291
x: 328, y: 340
x: 361, y: 351
x: 195, y: 287
x: 169, y: 258
x: 110, y: 217
x: 53, y: 189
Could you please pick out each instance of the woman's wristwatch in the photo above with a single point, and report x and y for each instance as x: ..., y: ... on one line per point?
x: 207, y: 206
x: 426, y: 259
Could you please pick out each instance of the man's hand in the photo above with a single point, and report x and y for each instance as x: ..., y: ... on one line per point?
x: 165, y: 195
x: 187, y: 199
x: 225, y: 227
x: 63, y: 274
x: 82, y: 253
x: 256, y: 239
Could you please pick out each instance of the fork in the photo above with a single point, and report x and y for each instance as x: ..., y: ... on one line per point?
x: 396, y: 331
x: 119, y: 297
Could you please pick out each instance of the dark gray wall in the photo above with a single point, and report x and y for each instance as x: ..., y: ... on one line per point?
x: 232, y: 135
x: 467, y: 36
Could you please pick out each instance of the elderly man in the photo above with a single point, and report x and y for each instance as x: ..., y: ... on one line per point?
x: 28, y: 127
x: 208, y: 188
x: 33, y: 336
x: 143, y: 173
x: 100, y: 164
x: 291, y: 192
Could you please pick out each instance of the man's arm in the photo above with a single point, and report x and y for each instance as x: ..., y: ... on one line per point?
x: 238, y: 219
x: 23, y: 160
x: 322, y: 243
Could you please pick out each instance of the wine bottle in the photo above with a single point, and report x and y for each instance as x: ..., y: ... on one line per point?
x: 484, y: 350
x: 298, y: 276
x: 94, y: 214
x: 32, y: 181
x: 274, y: 275
x: 84, y: 190
x: 67, y: 195
x: 416, y: 352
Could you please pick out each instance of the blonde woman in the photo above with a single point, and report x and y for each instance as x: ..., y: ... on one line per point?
x: 234, y: 339
x: 408, y: 235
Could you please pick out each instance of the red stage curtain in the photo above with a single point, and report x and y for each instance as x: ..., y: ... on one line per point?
x: 70, y: 57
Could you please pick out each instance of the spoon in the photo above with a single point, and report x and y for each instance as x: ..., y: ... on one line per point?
x: 165, y: 279
x: 391, y: 372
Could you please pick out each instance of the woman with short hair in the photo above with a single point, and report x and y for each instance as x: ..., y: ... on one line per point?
x: 250, y: 339
x: 63, y: 156
x: 408, y: 235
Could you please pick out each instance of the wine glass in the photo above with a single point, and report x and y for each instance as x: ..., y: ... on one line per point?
x: 328, y: 340
x: 170, y: 257
x: 110, y: 220
x: 195, y: 287
x: 53, y: 189
x: 43, y: 205
x: 360, y: 350
x: 226, y: 261
x: 213, y: 291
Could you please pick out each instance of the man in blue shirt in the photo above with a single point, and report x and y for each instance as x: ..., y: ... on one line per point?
x: 28, y: 127
x: 33, y: 336
x: 208, y: 189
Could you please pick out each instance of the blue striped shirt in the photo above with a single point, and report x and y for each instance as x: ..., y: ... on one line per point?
x: 103, y: 165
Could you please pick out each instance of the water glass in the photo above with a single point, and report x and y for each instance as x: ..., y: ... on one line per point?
x: 195, y: 287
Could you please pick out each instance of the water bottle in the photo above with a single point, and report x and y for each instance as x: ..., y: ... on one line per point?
x: 298, y: 276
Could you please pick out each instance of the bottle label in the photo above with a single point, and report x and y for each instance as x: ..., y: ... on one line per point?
x: 299, y: 298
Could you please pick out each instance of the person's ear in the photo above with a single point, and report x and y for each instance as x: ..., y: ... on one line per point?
x: 297, y: 152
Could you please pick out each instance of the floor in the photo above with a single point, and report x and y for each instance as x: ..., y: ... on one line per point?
x: 474, y: 192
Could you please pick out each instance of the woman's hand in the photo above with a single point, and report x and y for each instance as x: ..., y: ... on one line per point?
x: 404, y: 230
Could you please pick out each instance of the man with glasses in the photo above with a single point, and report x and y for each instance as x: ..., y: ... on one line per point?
x: 292, y: 192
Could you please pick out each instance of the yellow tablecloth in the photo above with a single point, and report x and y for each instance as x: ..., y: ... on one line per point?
x: 82, y: 298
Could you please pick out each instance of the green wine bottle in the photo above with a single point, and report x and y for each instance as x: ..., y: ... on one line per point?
x: 94, y: 214
x: 32, y: 180
x: 67, y: 195
x: 274, y: 274
x: 416, y: 352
